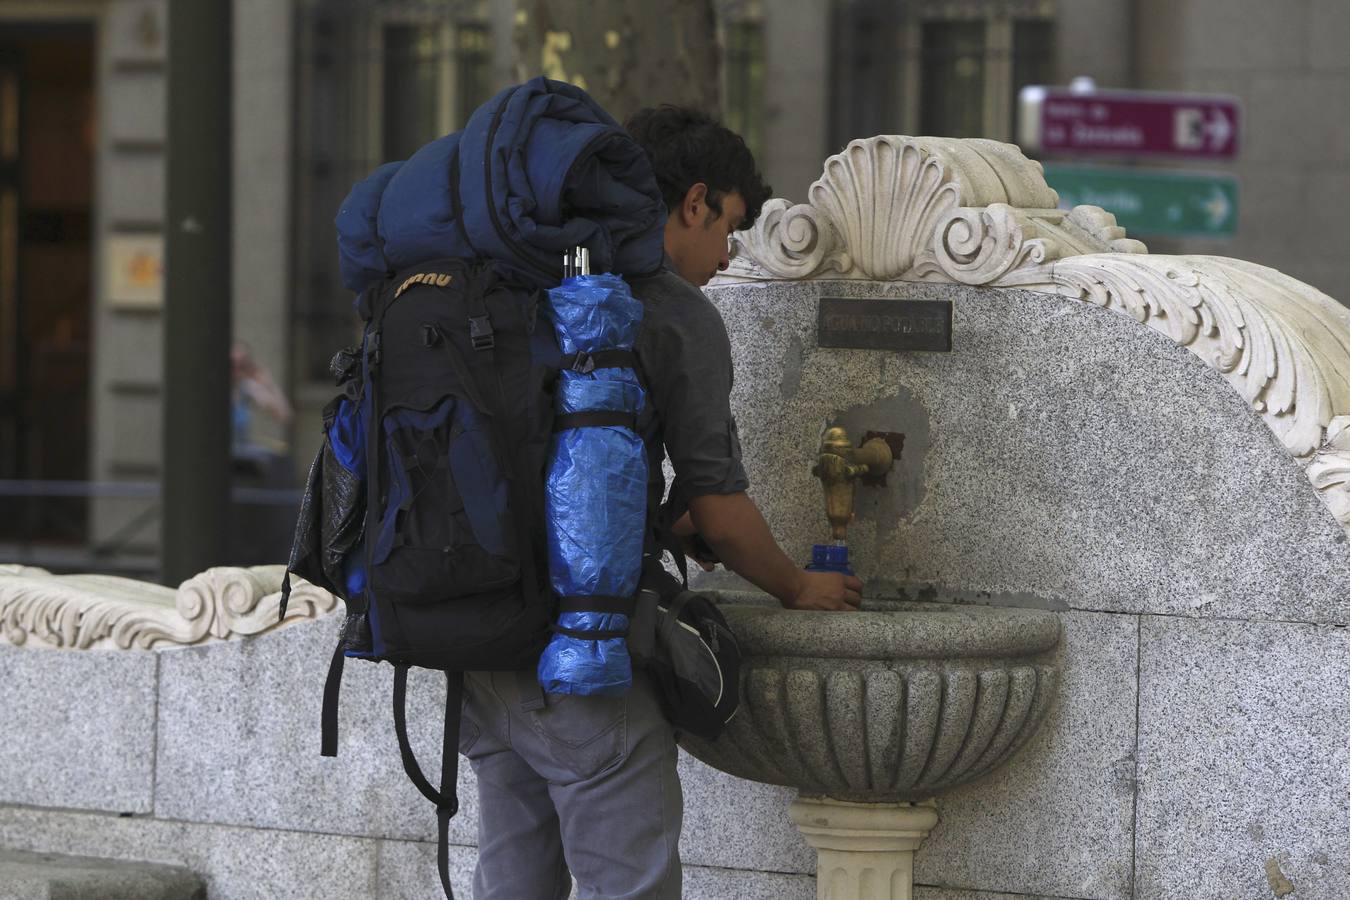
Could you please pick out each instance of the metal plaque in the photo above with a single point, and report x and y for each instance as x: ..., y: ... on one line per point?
x: 885, y: 324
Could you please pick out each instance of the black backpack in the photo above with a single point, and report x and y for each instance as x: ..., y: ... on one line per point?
x: 440, y: 555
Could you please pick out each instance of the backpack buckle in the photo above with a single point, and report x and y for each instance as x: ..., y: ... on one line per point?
x: 585, y: 363
x: 480, y: 333
x: 373, y: 348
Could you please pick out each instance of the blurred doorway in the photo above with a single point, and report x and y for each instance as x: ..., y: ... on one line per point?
x: 47, y: 148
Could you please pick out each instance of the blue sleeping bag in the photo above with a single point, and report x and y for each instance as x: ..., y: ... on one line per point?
x: 539, y: 169
x: 595, y: 500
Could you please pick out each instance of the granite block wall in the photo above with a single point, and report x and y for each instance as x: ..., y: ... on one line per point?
x: 208, y: 757
x: 1061, y: 457
x: 1064, y: 457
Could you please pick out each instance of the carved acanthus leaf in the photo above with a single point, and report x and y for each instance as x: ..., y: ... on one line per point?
x: 88, y: 611
x: 1329, y: 469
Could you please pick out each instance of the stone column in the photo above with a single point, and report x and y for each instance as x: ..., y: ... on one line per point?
x: 864, y: 851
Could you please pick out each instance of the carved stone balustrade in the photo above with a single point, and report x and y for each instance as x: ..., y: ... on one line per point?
x: 82, y: 612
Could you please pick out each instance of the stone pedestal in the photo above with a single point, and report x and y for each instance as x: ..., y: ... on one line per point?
x: 864, y: 851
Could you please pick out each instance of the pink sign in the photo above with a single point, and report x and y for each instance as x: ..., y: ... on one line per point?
x: 1130, y: 123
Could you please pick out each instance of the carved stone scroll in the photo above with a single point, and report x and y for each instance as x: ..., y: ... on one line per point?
x: 95, y: 611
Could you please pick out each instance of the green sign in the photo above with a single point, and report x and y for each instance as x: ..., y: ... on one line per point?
x: 1149, y: 202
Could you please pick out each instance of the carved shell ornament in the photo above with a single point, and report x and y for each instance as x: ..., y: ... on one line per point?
x: 96, y: 611
x: 978, y: 212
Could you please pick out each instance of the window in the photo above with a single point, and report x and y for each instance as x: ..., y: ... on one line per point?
x: 375, y: 82
x: 1033, y: 59
x: 868, y: 36
x: 473, y: 70
x: 744, y: 87
x: 947, y: 68
x: 411, y: 113
x: 953, y: 74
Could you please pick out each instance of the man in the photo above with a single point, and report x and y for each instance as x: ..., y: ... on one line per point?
x: 711, y: 188
x: 587, y: 785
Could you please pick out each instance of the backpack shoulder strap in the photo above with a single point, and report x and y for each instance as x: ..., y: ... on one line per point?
x: 447, y: 798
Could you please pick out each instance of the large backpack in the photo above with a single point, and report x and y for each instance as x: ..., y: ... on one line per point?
x: 429, y: 522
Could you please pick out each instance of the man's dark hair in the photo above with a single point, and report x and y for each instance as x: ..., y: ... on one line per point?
x: 687, y: 147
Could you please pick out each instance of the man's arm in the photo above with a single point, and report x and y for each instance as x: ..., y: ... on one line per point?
x: 733, y: 526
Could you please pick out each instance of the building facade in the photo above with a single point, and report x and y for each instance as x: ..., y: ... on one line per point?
x: 325, y: 90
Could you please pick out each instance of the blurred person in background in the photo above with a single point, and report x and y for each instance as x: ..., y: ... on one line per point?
x: 262, y: 525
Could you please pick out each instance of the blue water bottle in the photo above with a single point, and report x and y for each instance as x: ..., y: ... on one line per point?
x: 830, y: 558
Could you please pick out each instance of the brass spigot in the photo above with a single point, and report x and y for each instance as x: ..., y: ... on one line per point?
x: 839, y: 465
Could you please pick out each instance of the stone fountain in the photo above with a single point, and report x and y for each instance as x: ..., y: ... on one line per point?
x: 940, y: 260
x: 872, y: 714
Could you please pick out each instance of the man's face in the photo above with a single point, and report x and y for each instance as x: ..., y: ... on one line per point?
x: 701, y: 248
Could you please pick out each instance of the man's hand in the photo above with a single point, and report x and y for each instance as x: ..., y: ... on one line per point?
x: 737, y: 533
x: 831, y: 591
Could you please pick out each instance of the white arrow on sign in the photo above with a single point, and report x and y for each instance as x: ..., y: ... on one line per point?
x: 1220, y: 130
x: 1217, y: 208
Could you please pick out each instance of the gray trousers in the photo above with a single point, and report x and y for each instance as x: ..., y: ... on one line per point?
x: 580, y: 787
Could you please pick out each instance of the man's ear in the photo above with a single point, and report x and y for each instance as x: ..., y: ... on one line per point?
x: 695, y: 205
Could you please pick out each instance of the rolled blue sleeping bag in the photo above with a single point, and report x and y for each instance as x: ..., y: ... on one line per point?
x: 595, y: 499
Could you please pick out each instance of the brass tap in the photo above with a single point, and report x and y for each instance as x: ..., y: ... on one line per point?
x: 839, y: 465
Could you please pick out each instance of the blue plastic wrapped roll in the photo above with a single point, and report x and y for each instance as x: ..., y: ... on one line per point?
x: 595, y: 490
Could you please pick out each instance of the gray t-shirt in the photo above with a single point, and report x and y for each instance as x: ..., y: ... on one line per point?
x: 686, y: 364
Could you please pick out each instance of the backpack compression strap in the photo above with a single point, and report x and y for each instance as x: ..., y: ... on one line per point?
x: 446, y: 799
x: 586, y: 363
x: 595, y: 603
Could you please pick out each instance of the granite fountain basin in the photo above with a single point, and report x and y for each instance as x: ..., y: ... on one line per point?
x: 897, y: 702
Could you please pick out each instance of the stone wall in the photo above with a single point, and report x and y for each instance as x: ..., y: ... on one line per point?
x: 208, y: 757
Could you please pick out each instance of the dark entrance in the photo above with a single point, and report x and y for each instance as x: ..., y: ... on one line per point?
x: 48, y: 135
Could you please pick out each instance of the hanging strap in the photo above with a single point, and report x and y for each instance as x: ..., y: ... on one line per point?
x: 672, y: 619
x: 447, y: 798
x: 332, y: 687
x: 285, y: 594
